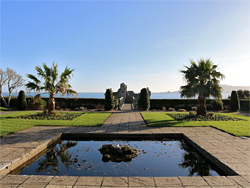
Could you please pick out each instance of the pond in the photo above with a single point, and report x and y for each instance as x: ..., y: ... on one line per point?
x: 156, y: 158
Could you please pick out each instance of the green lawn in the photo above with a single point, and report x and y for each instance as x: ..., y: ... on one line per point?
x: 8, y: 124
x: 237, y: 128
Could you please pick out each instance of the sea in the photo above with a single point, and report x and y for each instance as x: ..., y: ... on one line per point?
x: 100, y: 95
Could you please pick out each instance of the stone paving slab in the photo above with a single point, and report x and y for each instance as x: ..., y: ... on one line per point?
x: 229, y: 150
x: 89, y: 181
x: 167, y: 182
x: 73, y: 181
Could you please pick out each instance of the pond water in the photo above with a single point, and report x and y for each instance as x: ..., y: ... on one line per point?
x: 157, y: 158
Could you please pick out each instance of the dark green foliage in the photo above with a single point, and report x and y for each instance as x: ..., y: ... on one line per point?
x: 192, y: 114
x: 73, y: 103
x: 245, y: 105
x: 21, y: 101
x: 144, y: 99
x: 40, y: 104
x: 109, y: 100
x: 246, y: 93
x: 235, y: 102
x: 209, y: 117
x: 180, y: 103
x: 240, y: 94
x: 91, y: 103
x: 217, y: 104
x: 243, y: 94
x: 58, y: 116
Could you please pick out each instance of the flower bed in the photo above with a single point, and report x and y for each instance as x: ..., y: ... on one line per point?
x: 58, y: 116
x: 214, y: 117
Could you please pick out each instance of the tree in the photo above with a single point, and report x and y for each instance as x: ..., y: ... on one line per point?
x: 53, y: 83
x: 144, y: 99
x: 203, y: 80
x: 234, y: 102
x: 3, y: 80
x: 109, y: 100
x: 21, y: 100
x: 13, y: 80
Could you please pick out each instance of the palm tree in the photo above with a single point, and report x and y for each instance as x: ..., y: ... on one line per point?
x: 51, y: 82
x: 203, y: 80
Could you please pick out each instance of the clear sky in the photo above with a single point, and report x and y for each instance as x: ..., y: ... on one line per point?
x: 141, y: 43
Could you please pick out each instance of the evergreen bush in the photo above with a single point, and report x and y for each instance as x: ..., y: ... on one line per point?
x: 235, y: 102
x: 240, y: 94
x: 194, y: 108
x: 192, y: 113
x: 144, y: 99
x: 21, y: 101
x: 217, y: 104
x: 246, y: 93
x: 109, y: 100
x: 40, y: 104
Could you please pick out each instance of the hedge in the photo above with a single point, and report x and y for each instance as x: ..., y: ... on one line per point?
x: 72, y: 103
x: 91, y: 103
x: 189, y: 103
x: 245, y: 104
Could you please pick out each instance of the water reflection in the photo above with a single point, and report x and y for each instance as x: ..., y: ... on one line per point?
x: 195, y: 163
x: 50, y: 161
x: 157, y: 158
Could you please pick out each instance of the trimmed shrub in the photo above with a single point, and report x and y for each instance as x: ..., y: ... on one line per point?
x: 39, y: 105
x: 21, y: 101
x: 235, y: 103
x: 171, y: 109
x: 180, y: 106
x: 240, y: 94
x: 217, y: 104
x: 109, y: 100
x: 210, y: 114
x: 144, y: 99
x: 194, y: 108
x: 246, y: 93
x: 192, y: 113
x: 181, y: 110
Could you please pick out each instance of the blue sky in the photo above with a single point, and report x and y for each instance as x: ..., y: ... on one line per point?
x: 141, y: 43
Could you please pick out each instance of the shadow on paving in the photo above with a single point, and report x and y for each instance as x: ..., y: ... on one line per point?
x: 33, y: 134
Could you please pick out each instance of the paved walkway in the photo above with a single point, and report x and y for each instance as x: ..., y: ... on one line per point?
x: 232, y: 151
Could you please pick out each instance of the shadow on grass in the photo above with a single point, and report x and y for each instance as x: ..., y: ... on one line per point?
x: 162, y: 123
x: 5, y: 109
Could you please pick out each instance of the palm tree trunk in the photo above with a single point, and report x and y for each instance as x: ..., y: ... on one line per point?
x: 201, y: 108
x: 52, y: 103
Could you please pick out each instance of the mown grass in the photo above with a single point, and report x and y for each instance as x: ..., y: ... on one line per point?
x: 237, y: 128
x: 9, y: 124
